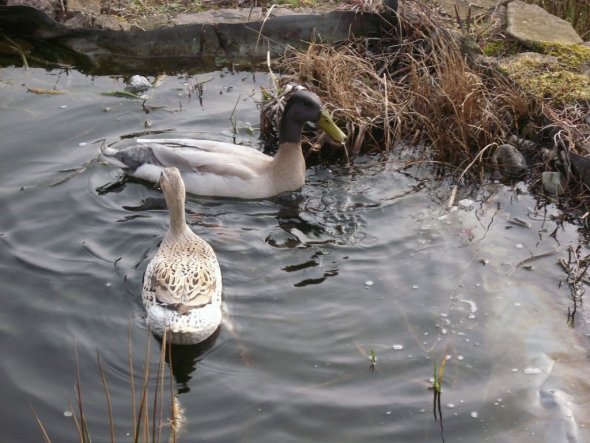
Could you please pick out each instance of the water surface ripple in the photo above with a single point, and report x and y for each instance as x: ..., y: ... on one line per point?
x: 364, y: 258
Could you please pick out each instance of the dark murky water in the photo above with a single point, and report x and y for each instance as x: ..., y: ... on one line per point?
x: 363, y: 258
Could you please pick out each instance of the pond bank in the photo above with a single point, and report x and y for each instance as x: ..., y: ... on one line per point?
x: 194, y: 42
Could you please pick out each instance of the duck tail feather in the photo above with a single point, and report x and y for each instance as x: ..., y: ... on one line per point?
x: 110, y: 155
x: 107, y: 152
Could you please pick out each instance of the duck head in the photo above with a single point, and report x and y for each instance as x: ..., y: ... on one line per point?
x: 172, y: 184
x: 305, y: 106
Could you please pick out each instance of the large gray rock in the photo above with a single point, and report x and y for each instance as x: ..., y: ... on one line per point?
x: 531, y: 24
x: 217, y: 16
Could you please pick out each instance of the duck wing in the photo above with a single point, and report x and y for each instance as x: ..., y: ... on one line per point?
x: 181, y: 287
x: 193, y: 160
x: 209, y: 156
x: 212, y: 146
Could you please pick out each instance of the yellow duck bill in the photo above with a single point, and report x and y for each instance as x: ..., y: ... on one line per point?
x: 329, y: 127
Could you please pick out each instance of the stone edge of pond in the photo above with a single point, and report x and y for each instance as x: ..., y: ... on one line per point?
x: 243, y: 37
x: 203, y: 41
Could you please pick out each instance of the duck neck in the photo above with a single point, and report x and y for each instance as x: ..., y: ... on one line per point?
x: 289, y: 163
x: 289, y: 166
x: 289, y: 158
x: 290, y: 130
x: 175, y: 205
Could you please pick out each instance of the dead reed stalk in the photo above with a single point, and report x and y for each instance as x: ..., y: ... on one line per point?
x: 414, y: 86
x: 148, y: 419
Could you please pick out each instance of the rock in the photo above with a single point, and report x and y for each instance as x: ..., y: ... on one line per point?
x: 47, y: 6
x: 521, y: 143
x: 111, y: 22
x: 545, y: 76
x: 217, y: 16
x: 152, y: 22
x: 466, y: 203
x: 89, y: 7
x: 509, y: 161
x: 138, y: 84
x: 525, y: 68
x: 552, y: 183
x: 207, y: 46
x: 539, y: 60
x: 531, y: 24
x: 473, y: 8
x: 581, y: 167
x: 583, y: 146
x: 78, y: 21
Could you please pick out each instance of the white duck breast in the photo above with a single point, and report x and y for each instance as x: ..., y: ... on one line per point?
x: 223, y: 169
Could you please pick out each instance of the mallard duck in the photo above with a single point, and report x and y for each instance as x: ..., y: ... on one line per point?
x: 182, y: 283
x: 221, y: 169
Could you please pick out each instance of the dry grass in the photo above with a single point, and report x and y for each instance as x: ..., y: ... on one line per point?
x: 153, y: 409
x: 417, y: 87
x: 571, y: 122
x: 433, y: 91
x: 143, y: 8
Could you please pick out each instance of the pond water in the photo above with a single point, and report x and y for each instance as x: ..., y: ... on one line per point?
x: 363, y: 260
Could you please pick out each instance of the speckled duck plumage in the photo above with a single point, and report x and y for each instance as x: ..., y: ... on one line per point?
x: 182, y: 283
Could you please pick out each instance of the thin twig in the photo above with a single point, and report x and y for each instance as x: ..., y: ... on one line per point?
x: 108, y: 397
x: 452, y: 197
x: 174, y: 418
x: 386, y: 120
x: 131, y: 378
x: 535, y: 257
x: 76, y: 422
x: 568, y: 271
x: 142, y: 413
x: 45, y: 435
x: 263, y: 22
x: 478, y: 156
x: 159, y: 393
x: 83, y: 424
x: 272, y: 75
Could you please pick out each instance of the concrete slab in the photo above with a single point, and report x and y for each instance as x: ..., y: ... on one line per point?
x: 531, y: 24
x: 203, y: 42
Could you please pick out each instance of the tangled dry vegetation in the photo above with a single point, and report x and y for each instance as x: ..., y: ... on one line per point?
x: 417, y: 87
x: 426, y: 87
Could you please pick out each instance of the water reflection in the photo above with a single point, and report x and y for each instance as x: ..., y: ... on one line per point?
x: 304, y: 221
x: 182, y: 359
x: 363, y: 257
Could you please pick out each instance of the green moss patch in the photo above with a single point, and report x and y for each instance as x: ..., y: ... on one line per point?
x: 554, y: 76
x: 571, y: 57
x: 500, y: 48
